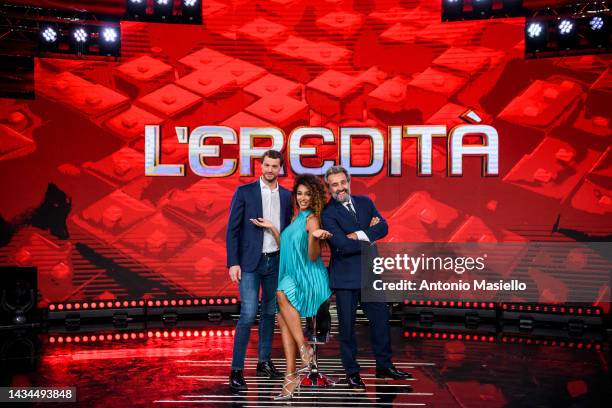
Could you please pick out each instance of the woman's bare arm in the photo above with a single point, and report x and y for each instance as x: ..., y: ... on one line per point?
x: 314, y: 246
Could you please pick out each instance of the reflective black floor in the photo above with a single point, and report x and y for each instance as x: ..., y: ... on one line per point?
x: 188, y: 367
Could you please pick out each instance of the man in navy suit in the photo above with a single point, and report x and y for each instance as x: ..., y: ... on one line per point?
x: 353, y: 220
x: 252, y: 259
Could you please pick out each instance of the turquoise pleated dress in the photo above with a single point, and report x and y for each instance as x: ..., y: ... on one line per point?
x: 305, y: 282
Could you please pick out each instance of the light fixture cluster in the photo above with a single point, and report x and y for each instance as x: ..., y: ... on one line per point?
x: 567, y: 34
x: 187, y: 12
x: 457, y: 10
x: 80, y: 39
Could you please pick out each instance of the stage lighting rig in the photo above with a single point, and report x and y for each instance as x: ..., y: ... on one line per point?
x: 568, y: 30
x: 536, y: 35
x: 458, y: 10
x: 109, y: 41
x: 164, y: 11
x: 49, y: 38
x: 599, y: 31
x: 566, y: 33
x: 79, y: 40
x: 36, y: 30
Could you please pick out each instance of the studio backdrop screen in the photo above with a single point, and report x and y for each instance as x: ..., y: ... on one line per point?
x: 117, y: 177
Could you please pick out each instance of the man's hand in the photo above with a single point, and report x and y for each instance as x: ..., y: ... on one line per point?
x: 352, y: 235
x: 235, y: 273
x: 374, y: 221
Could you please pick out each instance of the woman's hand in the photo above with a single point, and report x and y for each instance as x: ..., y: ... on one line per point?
x: 321, y: 234
x: 374, y: 221
x: 262, y: 222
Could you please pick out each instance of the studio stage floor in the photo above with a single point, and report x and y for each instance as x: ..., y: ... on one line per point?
x: 192, y: 371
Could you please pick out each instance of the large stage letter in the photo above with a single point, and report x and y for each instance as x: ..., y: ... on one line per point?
x: 296, y: 151
x: 424, y: 135
x: 248, y: 151
x: 377, y: 153
x: 489, y: 149
x: 198, y: 151
x: 153, y: 156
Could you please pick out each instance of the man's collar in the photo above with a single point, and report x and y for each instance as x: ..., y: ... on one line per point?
x: 263, y: 185
x: 344, y: 203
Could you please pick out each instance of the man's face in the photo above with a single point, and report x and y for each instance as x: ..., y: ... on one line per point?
x: 339, y: 187
x: 270, y: 168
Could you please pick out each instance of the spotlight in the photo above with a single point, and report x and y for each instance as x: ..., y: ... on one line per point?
x: 596, y: 23
x: 598, y: 32
x: 136, y: 9
x: 109, y: 41
x: 79, y: 40
x: 566, y: 29
x: 482, y: 8
x: 452, y: 9
x: 162, y: 9
x: 536, y: 36
x: 191, y: 10
x: 49, y: 38
x: 49, y: 35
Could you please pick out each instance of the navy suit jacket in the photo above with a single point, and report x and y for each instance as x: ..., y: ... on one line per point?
x: 244, y: 240
x: 345, y: 260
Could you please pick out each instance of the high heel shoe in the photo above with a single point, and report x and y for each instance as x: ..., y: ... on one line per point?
x: 307, y: 355
x: 291, y: 378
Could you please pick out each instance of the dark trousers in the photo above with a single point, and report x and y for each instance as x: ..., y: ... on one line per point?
x: 380, y: 339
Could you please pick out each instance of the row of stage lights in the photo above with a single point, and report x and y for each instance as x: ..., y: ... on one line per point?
x: 450, y: 303
x: 88, y: 37
x: 79, y: 39
x: 487, y: 338
x: 187, y: 12
x: 150, y: 334
x: 568, y: 29
x: 511, y: 307
x: 567, y: 33
x: 220, y: 301
x: 558, y: 309
x: 455, y: 10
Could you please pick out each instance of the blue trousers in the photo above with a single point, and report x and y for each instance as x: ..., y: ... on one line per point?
x: 265, y: 276
x: 378, y: 316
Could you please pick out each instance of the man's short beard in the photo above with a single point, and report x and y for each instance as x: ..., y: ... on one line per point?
x: 347, y: 196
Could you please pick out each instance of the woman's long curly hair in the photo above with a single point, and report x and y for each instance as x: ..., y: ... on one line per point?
x: 318, y: 197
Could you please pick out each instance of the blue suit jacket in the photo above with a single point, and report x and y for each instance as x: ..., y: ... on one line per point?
x: 244, y: 239
x: 345, y: 261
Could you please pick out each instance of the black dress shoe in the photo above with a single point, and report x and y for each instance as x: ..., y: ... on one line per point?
x: 393, y: 373
x: 355, y: 382
x: 267, y: 369
x: 236, y: 381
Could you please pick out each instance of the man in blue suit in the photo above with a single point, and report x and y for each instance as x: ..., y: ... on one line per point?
x: 353, y: 220
x: 252, y: 259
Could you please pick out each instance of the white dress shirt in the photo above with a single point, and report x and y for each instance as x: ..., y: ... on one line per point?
x: 360, y: 234
x: 270, y: 203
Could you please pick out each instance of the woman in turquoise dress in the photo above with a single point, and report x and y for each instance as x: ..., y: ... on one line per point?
x: 303, y: 283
